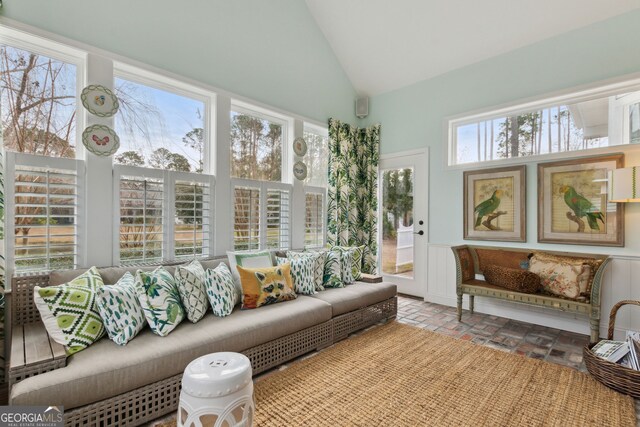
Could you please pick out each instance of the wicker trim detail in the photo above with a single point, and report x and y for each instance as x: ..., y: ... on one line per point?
x: 23, y: 308
x: 274, y: 353
x: 24, y: 372
x: 345, y: 324
x: 150, y: 402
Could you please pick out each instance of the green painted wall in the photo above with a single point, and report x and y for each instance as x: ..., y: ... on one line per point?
x: 414, y: 117
x: 270, y: 51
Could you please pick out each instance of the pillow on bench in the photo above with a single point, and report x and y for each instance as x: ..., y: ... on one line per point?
x: 512, y: 278
x: 563, y: 276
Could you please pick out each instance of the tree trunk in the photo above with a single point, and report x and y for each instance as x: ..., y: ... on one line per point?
x: 514, y: 139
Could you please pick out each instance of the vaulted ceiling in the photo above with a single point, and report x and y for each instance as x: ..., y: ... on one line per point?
x: 388, y: 44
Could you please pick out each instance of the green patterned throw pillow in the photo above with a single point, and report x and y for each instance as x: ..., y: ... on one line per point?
x: 221, y: 290
x: 120, y: 310
x: 160, y: 300
x: 69, y: 311
x: 190, y: 282
x: 333, y: 270
x: 357, y: 257
x: 319, y: 258
x: 301, y: 273
x: 346, y: 258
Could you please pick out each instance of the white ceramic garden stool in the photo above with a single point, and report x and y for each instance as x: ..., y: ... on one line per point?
x: 217, y: 391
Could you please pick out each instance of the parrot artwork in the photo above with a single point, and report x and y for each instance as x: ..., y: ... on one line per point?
x: 487, y: 207
x: 581, y: 207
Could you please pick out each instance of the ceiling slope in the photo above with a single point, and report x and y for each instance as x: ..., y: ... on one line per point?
x: 385, y: 45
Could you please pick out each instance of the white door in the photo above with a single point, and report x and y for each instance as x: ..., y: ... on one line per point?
x: 402, y: 221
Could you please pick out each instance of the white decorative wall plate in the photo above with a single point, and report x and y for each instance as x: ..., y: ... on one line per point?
x: 300, y: 146
x: 99, y: 101
x: 300, y: 170
x: 101, y: 140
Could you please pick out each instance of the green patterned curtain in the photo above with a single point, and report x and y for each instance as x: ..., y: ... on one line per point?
x: 353, y: 188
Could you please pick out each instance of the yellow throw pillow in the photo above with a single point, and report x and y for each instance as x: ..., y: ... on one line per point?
x: 268, y: 285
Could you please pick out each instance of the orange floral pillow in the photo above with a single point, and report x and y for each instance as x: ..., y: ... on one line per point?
x: 268, y: 285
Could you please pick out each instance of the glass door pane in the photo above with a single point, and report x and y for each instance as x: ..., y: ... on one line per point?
x: 397, y: 222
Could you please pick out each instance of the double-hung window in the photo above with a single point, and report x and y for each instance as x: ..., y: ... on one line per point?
x: 315, y: 185
x: 44, y: 182
x: 262, y: 202
x: 164, y: 191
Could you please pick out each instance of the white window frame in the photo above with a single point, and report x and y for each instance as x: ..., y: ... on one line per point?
x: 12, y: 159
x: 177, y: 87
x: 286, y: 176
x: 169, y: 179
x: 61, y: 52
x: 566, y: 97
x: 263, y: 187
x: 317, y: 191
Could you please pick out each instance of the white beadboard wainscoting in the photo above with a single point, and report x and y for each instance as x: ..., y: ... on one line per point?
x: 621, y: 281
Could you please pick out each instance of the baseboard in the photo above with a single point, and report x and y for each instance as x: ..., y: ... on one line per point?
x: 530, y: 314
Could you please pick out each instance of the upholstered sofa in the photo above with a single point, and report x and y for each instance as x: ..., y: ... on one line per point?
x: 107, y: 384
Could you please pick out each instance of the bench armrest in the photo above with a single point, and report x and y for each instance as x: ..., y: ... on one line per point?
x: 33, y: 352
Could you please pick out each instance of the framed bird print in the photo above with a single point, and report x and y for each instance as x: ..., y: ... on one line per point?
x: 573, y: 207
x: 494, y: 204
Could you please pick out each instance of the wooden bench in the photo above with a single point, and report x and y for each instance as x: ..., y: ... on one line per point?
x: 470, y: 261
x: 32, y: 351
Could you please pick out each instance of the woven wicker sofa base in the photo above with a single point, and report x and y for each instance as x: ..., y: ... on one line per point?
x: 160, y: 398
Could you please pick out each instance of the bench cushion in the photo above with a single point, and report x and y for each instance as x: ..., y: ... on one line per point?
x: 357, y: 295
x: 106, y: 369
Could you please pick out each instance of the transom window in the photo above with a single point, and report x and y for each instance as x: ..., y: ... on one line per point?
x: 38, y: 95
x: 579, y: 122
x: 158, y: 128
x: 317, y: 157
x: 256, y: 146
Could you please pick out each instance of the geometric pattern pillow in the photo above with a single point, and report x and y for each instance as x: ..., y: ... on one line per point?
x: 333, y: 270
x: 190, y: 282
x: 318, y: 265
x: 301, y: 273
x: 262, y: 286
x: 120, y: 310
x: 357, y: 255
x: 221, y: 290
x: 69, y: 311
x: 159, y: 299
x: 346, y: 259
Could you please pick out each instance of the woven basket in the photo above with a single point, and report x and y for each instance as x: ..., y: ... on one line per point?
x: 613, y: 375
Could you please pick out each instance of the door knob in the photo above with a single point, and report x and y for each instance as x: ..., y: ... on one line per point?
x: 420, y: 233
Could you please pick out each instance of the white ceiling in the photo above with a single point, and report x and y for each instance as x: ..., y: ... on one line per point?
x: 388, y: 44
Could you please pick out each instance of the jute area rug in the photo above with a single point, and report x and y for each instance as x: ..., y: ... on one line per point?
x: 399, y: 375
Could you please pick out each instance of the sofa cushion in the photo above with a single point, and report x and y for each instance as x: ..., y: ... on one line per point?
x: 357, y: 295
x: 106, y: 369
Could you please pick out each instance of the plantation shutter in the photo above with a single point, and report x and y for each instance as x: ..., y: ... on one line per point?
x: 192, y: 203
x: 45, y: 214
x: 277, y: 219
x: 314, y: 220
x: 246, y: 223
x: 141, y: 219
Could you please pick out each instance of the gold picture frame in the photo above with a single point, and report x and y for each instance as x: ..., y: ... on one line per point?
x: 573, y: 207
x: 495, y: 204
